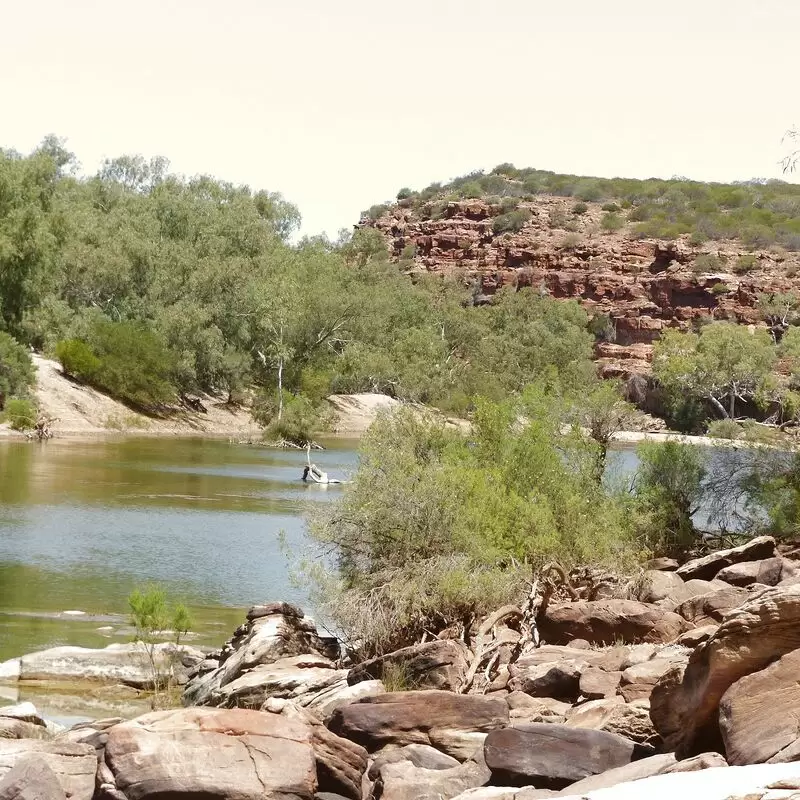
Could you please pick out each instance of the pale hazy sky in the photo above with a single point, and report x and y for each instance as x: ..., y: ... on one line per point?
x: 339, y: 104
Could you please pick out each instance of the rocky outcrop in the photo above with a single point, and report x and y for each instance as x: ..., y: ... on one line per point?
x: 277, y: 652
x: 455, y: 724
x: 759, y: 715
x: 31, y: 779
x: 685, y: 702
x: 643, y: 285
x: 210, y: 753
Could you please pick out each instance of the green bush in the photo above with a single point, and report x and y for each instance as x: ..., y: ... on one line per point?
x: 471, y: 190
x: 706, y: 262
x: 669, y: 486
x: 124, y: 359
x: 20, y: 414
x: 376, y: 212
x: 405, y: 193
x: 572, y: 241
x: 725, y: 429
x: 513, y: 221
x: 580, y: 208
x: 17, y: 374
x: 438, y: 527
x: 611, y: 207
x: 611, y: 221
x: 556, y: 217
x: 720, y: 289
x: 77, y: 359
x: 745, y: 263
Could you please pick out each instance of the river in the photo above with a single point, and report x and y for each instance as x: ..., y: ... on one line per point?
x: 83, y: 523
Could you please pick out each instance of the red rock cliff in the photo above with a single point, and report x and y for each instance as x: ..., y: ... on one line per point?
x: 643, y: 285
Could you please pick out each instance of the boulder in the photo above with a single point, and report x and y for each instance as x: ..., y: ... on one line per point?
x: 31, y: 779
x: 696, y: 636
x: 706, y: 609
x: 559, y: 680
x: 341, y: 764
x: 596, y: 683
x: 74, y: 765
x: 420, y: 755
x: 453, y: 723
x: 655, y: 585
x: 328, y: 699
x: 553, y: 756
x: 438, y: 664
x: 638, y: 680
x: 709, y: 566
x: 609, y: 621
x: 273, y: 632
x: 405, y: 781
x: 118, y: 663
x: 524, y: 708
x: 11, y: 728
x: 631, y: 720
x: 768, y: 571
x: 684, y: 703
x: 759, y: 715
x: 211, y: 753
x: 24, y: 711
x: 663, y: 563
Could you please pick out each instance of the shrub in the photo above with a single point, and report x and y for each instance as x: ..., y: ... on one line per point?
x: 720, y: 289
x: 572, y: 241
x: 669, y: 485
x: 725, y: 429
x: 299, y: 420
x: 408, y: 252
x: 745, y: 263
x: 588, y: 191
x: 557, y: 217
x: 405, y: 193
x: 376, y: 212
x: 611, y: 207
x: 508, y: 204
x: 471, y: 190
x: 438, y: 529
x: 706, y: 262
x: 155, y: 620
x: 580, y: 208
x: 513, y: 221
x: 20, y: 414
x: 611, y: 222
x: 602, y: 327
x: 77, y: 359
x: 16, y: 368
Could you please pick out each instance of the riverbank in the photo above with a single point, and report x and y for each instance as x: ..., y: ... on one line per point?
x: 80, y: 411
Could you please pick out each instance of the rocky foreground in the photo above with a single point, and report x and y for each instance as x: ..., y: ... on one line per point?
x: 683, y: 682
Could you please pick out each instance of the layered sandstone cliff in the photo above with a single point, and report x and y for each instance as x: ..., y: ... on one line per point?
x: 643, y: 285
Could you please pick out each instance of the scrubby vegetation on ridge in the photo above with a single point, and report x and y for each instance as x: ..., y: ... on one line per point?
x: 758, y: 212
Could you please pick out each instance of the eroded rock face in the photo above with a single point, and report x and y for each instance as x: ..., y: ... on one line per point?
x: 274, y: 632
x: 405, y: 781
x: 74, y: 765
x: 709, y: 566
x: 455, y: 724
x: 684, y: 703
x: 438, y: 664
x: 211, y: 753
x: 706, y: 609
x: 759, y: 714
x: 553, y: 756
x: 608, y: 621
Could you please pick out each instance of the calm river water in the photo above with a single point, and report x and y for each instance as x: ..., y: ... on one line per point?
x: 83, y: 523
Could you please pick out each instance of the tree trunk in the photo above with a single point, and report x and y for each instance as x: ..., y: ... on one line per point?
x: 716, y: 403
x: 280, y: 388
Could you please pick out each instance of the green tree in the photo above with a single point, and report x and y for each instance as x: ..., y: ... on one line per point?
x: 17, y: 374
x: 723, y: 364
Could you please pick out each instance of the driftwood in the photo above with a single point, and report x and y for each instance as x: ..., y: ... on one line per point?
x: 529, y: 614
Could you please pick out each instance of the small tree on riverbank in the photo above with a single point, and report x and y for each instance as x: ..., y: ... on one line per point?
x: 156, y: 621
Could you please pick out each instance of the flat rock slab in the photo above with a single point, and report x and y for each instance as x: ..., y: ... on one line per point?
x: 706, y: 609
x: 117, y: 663
x: 707, y: 567
x: 604, y: 622
x: 549, y: 756
x: 74, y: 765
x: 453, y: 723
x: 212, y: 753
x: 767, y: 571
x: 404, y: 781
